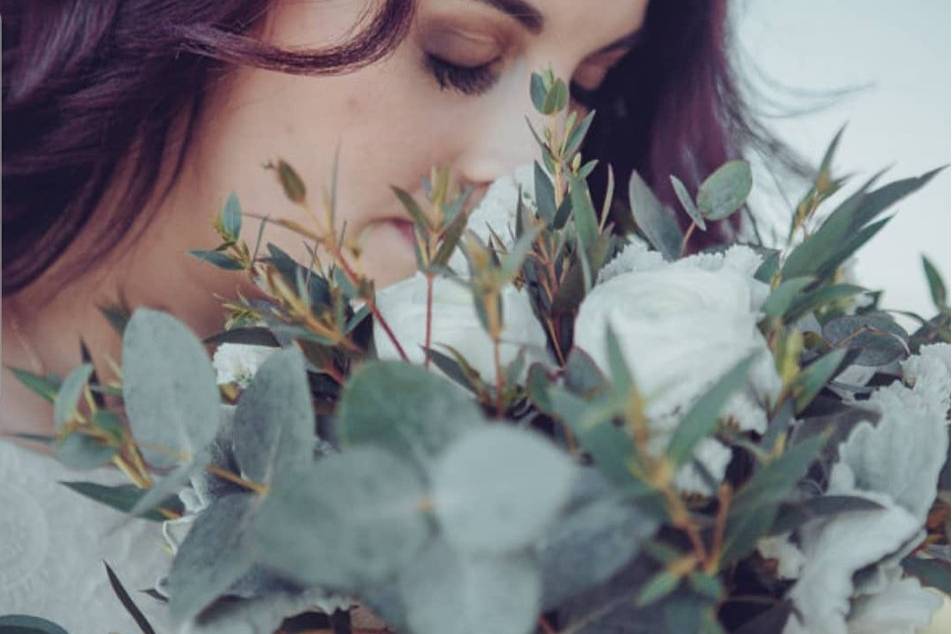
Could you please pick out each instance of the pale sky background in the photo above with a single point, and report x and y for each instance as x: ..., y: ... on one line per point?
x: 902, y: 51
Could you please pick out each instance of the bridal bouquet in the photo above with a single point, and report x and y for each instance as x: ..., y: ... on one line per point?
x: 550, y: 427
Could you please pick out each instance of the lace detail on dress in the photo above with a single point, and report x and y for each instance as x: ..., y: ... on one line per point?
x: 53, y: 542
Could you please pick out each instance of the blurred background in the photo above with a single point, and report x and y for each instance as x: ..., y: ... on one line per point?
x: 885, y: 66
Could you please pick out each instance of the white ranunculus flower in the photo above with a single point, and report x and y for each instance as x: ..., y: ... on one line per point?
x: 455, y: 323
x: 238, y: 362
x: 788, y: 557
x: 681, y: 326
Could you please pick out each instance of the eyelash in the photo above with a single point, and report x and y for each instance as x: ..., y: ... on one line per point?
x: 469, y: 80
x: 475, y: 80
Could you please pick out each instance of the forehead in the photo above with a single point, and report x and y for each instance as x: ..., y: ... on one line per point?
x: 594, y: 21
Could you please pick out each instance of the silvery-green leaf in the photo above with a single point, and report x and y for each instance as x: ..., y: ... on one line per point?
x: 879, y: 339
x: 216, y: 552
x: 168, y: 388
x: 446, y: 592
x: 653, y: 219
x: 349, y: 519
x: 121, y: 497
x: 170, y: 484
x: 835, y: 549
x: 591, y: 541
x: 274, y: 420
x: 723, y: 192
x: 903, y: 454
x: 688, y: 203
x: 782, y: 297
x: 258, y: 615
x: 405, y: 409
x: 67, y: 397
x: 82, y: 451
x: 497, y: 488
x: 231, y: 217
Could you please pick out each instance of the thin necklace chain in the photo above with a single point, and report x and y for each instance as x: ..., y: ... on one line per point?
x: 35, y: 361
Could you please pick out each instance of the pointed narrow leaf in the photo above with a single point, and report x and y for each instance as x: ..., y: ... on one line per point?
x: 701, y: 420
x: 653, y: 219
x: 782, y: 297
x: 688, y: 203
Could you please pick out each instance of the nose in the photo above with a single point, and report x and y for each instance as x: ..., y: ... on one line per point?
x: 497, y: 139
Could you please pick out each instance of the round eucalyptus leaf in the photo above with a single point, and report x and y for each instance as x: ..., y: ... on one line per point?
x: 82, y: 451
x: 348, y: 520
x: 168, y: 388
x: 590, y: 544
x: 64, y: 405
x: 498, y: 487
x: 274, y: 420
x: 879, y: 339
x: 723, y: 192
x: 406, y: 410
x: 215, y: 553
x: 447, y: 592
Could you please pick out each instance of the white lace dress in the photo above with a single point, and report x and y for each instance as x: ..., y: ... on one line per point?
x: 53, y: 542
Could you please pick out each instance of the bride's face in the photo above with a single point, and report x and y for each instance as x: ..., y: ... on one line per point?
x: 454, y: 93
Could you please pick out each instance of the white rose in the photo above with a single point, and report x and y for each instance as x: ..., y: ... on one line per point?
x: 238, y: 362
x: 681, y: 326
x: 455, y: 323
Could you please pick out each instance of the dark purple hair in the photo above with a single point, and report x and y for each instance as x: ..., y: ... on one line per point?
x: 88, y: 84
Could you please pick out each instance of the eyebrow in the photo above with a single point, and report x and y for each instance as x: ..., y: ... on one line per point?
x: 530, y: 18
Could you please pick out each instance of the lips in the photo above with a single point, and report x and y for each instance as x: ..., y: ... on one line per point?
x: 405, y: 228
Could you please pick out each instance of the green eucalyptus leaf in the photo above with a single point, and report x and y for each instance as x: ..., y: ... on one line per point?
x: 291, y: 182
x: 231, y: 217
x: 846, y: 229
x: 577, y: 136
x: 82, y: 451
x: 497, y: 488
x: 544, y: 194
x: 657, y: 588
x: 405, y: 409
x: 69, y: 393
x: 819, y: 298
x: 783, y: 297
x: 583, y: 213
x: 274, y: 420
x: 940, y: 297
x: 591, y: 541
x: 218, y: 258
x: 215, y: 553
x: 725, y: 191
x: 122, y: 497
x: 538, y: 91
x: 348, y: 520
x: 653, y: 219
x: 794, y: 514
x: 170, y: 484
x: 448, y: 592
x: 877, y: 336
x: 701, y: 419
x: 815, y: 376
x: 688, y: 203
x: 45, y: 386
x: 169, y: 388
x: 757, y: 503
